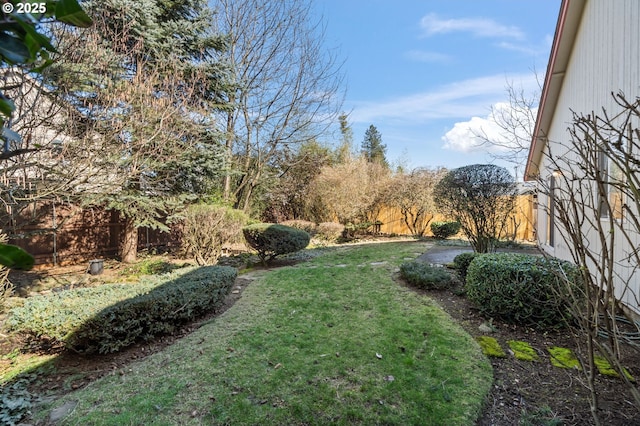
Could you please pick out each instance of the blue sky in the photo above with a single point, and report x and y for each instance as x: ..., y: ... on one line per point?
x: 418, y: 69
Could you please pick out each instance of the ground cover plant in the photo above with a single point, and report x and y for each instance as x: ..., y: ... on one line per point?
x: 112, y: 316
x: 330, y: 341
x: 425, y: 276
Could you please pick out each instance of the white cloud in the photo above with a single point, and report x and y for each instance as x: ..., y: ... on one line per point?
x: 468, y: 136
x: 457, y: 100
x: 480, y: 27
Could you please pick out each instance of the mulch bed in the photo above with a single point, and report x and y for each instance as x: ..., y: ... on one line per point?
x: 537, y: 393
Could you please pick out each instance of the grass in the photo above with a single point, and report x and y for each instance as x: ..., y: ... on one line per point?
x: 331, y: 341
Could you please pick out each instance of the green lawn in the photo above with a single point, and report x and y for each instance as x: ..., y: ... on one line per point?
x: 330, y: 341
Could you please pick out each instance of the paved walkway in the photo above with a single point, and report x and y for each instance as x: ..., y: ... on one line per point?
x: 442, y: 255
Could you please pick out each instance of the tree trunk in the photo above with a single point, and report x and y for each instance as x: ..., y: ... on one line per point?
x: 129, y: 250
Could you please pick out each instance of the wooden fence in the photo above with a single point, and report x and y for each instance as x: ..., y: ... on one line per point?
x: 520, y: 226
x: 59, y: 233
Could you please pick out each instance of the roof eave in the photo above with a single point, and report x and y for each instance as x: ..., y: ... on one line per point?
x: 566, y: 31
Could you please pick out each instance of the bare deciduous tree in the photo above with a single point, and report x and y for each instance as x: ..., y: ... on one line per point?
x: 514, y: 121
x: 287, y: 86
x: 50, y: 164
x: 412, y: 193
x: 351, y: 191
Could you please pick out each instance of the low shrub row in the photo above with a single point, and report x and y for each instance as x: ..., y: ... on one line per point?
x: 424, y: 276
x: 110, y: 317
x: 522, y: 289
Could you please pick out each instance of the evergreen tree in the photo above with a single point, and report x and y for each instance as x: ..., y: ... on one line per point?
x: 344, y: 151
x: 372, y: 147
x: 147, y: 82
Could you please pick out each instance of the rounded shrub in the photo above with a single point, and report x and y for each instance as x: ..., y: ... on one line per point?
x: 462, y: 262
x: 424, y: 276
x: 521, y: 289
x: 443, y: 230
x: 271, y: 240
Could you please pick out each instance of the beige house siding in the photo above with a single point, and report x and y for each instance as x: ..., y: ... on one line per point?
x: 605, y: 58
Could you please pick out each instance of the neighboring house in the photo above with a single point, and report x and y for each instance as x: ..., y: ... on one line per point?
x: 595, y: 52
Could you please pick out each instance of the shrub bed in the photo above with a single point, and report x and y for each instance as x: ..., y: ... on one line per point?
x: 521, y: 289
x: 444, y: 230
x: 271, y: 240
x: 110, y: 317
x: 424, y: 276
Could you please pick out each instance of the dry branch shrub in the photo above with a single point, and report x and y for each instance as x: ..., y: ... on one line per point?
x: 329, y: 231
x: 207, y: 228
x: 6, y: 287
x: 309, y: 227
x: 351, y: 192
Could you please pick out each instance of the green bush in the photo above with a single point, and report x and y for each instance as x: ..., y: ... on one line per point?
x: 271, y: 240
x: 462, y: 262
x: 444, y: 230
x: 110, y: 317
x: 521, y: 289
x: 424, y: 276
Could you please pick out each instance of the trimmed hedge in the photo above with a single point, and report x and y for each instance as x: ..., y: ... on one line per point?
x: 110, y: 317
x: 521, y: 289
x: 444, y: 230
x: 271, y: 240
x: 462, y: 262
x: 424, y: 276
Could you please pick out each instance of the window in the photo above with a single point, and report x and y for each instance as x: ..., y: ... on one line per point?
x: 612, y: 199
x: 551, y: 211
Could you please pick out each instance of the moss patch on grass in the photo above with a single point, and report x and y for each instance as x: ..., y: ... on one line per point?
x: 523, y: 351
x: 491, y: 347
x: 564, y: 358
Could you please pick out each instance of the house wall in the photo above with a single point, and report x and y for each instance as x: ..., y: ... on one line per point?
x: 605, y: 59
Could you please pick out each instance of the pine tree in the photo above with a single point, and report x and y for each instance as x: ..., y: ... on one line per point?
x: 372, y: 147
